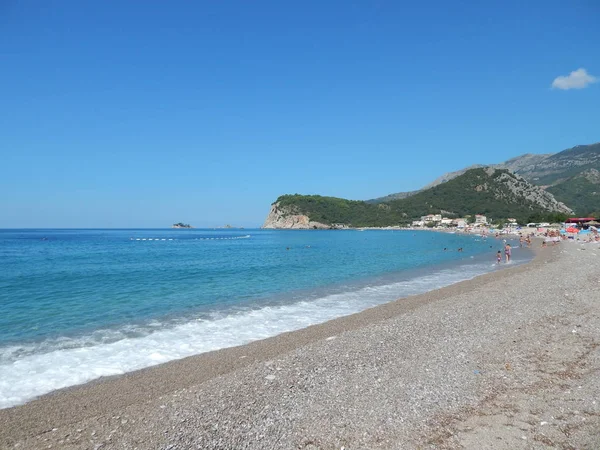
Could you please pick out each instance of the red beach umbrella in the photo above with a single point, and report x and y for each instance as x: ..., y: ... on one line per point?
x: 572, y: 230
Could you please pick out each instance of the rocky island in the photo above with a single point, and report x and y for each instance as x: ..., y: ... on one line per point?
x: 181, y: 225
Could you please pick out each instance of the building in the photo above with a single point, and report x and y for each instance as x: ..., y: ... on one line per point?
x: 446, y: 221
x: 432, y: 218
x: 480, y: 218
x: 460, y: 223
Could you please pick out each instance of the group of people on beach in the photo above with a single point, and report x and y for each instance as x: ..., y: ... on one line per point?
x: 507, y: 253
x: 551, y: 236
x: 524, y: 240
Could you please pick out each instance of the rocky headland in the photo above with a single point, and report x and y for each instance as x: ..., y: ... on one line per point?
x: 285, y: 217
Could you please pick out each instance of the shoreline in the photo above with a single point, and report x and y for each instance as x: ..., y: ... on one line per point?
x: 36, y: 374
x: 146, y: 382
x: 150, y: 393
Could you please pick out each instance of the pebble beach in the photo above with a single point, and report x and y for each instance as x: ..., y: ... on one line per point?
x: 509, y: 359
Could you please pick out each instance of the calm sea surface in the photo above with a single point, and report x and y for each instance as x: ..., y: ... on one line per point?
x: 79, y: 304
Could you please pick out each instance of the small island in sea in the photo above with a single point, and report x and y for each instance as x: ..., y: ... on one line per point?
x: 181, y: 225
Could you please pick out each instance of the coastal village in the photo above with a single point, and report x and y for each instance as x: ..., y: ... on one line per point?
x: 437, y: 220
x: 583, y: 229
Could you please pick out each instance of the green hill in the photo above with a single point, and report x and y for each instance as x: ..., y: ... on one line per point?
x: 560, y: 173
x: 581, y: 192
x: 496, y: 193
x: 332, y: 210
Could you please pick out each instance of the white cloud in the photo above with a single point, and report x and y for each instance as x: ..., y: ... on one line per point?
x: 578, y: 79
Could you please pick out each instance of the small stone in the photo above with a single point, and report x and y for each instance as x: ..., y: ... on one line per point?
x: 270, y: 377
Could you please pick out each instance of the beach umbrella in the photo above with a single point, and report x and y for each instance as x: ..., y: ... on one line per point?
x: 592, y: 222
x: 572, y: 230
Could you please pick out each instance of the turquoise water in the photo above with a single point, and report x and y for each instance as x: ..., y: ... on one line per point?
x: 79, y: 304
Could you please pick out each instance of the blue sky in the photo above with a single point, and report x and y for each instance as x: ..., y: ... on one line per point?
x: 141, y: 114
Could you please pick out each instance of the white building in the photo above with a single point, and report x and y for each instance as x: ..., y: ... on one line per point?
x: 432, y: 218
x: 479, y: 218
x: 446, y: 221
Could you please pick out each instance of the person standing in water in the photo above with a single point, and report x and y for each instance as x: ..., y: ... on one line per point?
x: 498, y: 256
x: 507, y: 251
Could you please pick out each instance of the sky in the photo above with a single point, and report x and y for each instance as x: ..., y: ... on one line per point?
x: 146, y: 113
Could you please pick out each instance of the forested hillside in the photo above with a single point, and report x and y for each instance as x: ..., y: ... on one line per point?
x: 498, y: 194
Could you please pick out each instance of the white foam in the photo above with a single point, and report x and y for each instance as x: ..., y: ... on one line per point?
x: 76, y: 361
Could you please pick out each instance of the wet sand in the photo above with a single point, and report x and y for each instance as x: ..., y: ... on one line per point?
x: 479, y: 364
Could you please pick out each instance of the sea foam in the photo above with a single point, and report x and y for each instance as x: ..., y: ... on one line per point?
x: 30, y: 371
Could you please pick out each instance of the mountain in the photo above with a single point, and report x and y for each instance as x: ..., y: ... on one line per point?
x: 497, y: 193
x: 581, y: 192
x: 450, y: 176
x: 557, y: 172
x: 572, y: 176
x: 523, y: 162
x: 396, y: 196
x: 515, y: 165
x: 559, y: 167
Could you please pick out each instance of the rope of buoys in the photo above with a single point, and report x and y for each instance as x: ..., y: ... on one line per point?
x: 196, y: 239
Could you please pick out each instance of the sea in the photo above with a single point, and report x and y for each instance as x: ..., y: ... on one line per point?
x: 76, y: 305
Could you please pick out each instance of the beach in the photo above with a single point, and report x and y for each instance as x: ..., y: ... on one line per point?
x: 509, y: 359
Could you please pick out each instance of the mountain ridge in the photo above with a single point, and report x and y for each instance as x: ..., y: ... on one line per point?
x: 546, y: 170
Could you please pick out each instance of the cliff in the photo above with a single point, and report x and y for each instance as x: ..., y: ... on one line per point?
x: 286, y: 217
